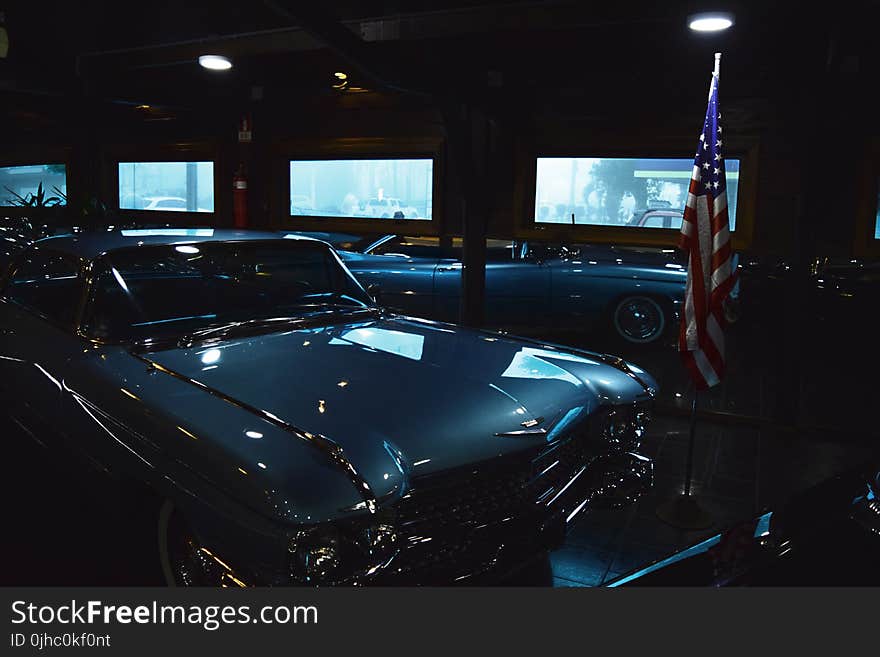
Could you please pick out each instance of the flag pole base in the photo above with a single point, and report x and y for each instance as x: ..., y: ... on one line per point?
x: 684, y: 512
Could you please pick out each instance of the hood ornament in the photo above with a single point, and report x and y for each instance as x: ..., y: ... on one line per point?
x: 531, y: 429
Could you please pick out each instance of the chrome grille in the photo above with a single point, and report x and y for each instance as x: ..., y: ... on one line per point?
x: 455, y: 521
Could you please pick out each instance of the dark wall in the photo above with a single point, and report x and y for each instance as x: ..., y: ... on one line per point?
x: 798, y: 95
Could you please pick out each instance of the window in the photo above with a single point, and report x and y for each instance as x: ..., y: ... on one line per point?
x: 367, y: 189
x: 155, y: 291
x: 411, y: 247
x: 166, y: 186
x: 21, y: 183
x: 48, y: 283
x: 430, y: 247
x: 877, y: 218
x: 501, y: 251
x: 638, y: 192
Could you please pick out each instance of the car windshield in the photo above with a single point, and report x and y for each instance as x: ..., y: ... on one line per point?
x: 343, y: 241
x: 175, y: 290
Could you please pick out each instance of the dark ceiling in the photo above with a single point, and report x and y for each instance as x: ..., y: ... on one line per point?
x: 573, y: 56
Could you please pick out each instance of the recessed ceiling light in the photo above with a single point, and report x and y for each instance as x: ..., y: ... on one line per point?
x: 215, y: 62
x: 712, y: 21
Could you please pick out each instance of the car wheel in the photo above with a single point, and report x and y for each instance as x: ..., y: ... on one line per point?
x: 639, y: 319
x: 184, y: 562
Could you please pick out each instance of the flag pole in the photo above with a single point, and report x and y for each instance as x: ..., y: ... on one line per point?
x: 683, y: 511
x: 716, y: 74
x: 689, y: 467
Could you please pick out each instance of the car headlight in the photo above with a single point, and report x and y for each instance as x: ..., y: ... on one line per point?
x: 623, y: 427
x: 642, y: 417
x: 343, y: 552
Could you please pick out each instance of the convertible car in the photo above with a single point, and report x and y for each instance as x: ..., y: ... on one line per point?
x: 635, y: 292
x: 290, y: 429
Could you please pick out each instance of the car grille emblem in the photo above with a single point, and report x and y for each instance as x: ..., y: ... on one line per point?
x: 531, y: 429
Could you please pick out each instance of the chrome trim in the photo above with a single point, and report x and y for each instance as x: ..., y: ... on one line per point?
x: 523, y: 433
x: 621, y: 364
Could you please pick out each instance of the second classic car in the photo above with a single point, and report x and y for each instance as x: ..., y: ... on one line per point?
x: 635, y: 292
x: 293, y: 431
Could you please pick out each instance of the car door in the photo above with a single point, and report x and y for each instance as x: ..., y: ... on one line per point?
x: 517, y: 286
x: 403, y: 269
x: 38, y: 304
x: 585, y: 280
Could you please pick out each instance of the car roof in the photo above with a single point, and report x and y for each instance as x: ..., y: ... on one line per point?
x: 90, y: 244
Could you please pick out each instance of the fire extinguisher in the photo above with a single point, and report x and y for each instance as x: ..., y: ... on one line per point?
x: 239, y: 198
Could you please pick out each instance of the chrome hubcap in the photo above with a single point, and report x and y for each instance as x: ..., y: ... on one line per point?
x: 639, y: 319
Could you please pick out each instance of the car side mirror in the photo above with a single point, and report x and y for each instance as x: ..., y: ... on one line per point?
x: 375, y: 291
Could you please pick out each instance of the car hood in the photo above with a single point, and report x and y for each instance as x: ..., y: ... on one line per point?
x: 425, y: 395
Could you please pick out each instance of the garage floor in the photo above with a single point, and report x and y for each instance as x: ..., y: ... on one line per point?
x: 738, y: 472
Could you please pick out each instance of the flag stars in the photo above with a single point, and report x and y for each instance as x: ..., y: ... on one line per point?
x: 718, y: 143
x: 705, y: 165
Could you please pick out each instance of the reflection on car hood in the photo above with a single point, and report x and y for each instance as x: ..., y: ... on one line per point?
x: 438, y: 394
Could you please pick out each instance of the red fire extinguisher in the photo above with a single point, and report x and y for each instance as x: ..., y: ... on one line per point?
x: 239, y: 198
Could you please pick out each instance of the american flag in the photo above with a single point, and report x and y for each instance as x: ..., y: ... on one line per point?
x: 705, y: 235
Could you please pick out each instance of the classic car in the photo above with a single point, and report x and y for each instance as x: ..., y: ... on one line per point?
x: 635, y: 292
x: 827, y: 535
x: 290, y: 429
x: 654, y: 218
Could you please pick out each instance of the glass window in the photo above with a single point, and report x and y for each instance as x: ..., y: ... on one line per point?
x: 156, y: 291
x: 166, y: 186
x: 48, y: 283
x: 411, y: 247
x: 877, y: 220
x: 20, y: 184
x: 500, y: 251
x: 620, y: 191
x: 369, y: 189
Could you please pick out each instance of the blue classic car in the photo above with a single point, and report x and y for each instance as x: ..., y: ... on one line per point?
x: 294, y: 432
x: 635, y: 292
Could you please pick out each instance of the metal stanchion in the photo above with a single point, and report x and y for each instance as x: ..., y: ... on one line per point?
x: 683, y: 511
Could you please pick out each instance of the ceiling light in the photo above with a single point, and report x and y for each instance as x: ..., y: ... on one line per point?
x: 215, y: 62
x: 340, y: 75
x: 710, y: 21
